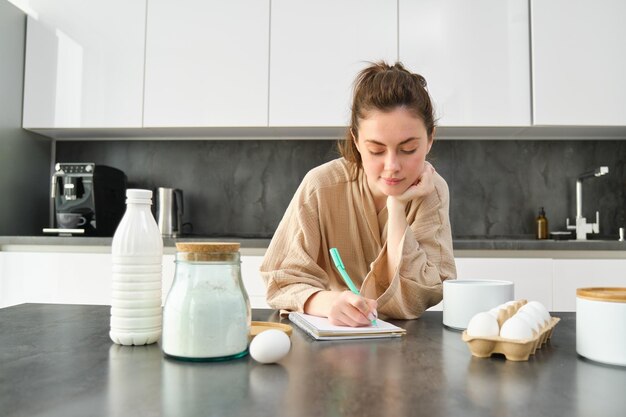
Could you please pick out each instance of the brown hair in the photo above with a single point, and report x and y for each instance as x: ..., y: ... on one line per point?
x: 384, y: 87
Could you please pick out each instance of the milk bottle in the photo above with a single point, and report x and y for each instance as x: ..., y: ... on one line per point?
x: 137, y: 253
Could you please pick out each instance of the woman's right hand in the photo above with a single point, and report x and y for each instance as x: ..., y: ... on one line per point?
x: 342, y: 308
x: 352, y: 310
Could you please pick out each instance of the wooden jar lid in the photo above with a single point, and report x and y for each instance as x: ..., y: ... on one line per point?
x: 259, y: 326
x: 208, y: 247
x: 612, y: 294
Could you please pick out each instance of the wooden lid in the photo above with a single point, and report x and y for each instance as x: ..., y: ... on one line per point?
x: 612, y: 294
x: 259, y: 326
x: 208, y: 247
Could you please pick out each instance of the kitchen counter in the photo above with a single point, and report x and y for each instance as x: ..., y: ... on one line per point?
x: 249, y: 246
x: 58, y: 360
x: 522, y: 243
x: 106, y: 241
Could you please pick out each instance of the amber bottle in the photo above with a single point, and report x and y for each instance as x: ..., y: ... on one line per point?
x: 542, y: 225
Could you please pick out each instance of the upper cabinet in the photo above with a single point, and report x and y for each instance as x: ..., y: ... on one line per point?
x: 474, y: 56
x: 579, y: 62
x: 207, y: 63
x: 84, y: 64
x: 317, y: 48
x: 291, y: 64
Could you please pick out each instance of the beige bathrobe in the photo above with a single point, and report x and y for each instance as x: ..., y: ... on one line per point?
x: 331, y: 210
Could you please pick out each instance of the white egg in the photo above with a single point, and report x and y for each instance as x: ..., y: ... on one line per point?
x: 502, y: 306
x: 270, y: 346
x: 534, y: 324
x: 494, y: 312
x: 483, y: 325
x: 505, y: 306
x: 541, y: 309
x: 516, y: 328
x: 534, y: 313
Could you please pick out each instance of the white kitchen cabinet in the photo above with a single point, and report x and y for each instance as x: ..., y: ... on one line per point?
x: 84, y: 64
x: 207, y: 63
x: 317, y: 49
x: 7, y: 298
x: 532, y: 277
x: 85, y: 278
x: 68, y: 278
x: 579, y: 62
x: 474, y: 56
x: 62, y: 277
x: 570, y: 274
x: 255, y: 287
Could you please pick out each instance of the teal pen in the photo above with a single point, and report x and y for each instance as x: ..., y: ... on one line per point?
x: 334, y: 253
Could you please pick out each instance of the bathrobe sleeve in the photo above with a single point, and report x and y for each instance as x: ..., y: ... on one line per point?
x: 290, y: 268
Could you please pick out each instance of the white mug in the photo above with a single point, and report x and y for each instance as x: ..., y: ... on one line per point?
x: 462, y: 299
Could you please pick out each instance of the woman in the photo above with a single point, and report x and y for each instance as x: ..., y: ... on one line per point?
x: 381, y: 205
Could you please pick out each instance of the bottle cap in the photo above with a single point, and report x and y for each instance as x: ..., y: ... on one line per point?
x: 135, y: 195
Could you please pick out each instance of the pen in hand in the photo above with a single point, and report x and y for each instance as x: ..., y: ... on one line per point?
x: 334, y: 254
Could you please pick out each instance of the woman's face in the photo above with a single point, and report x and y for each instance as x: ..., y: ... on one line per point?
x: 393, y: 147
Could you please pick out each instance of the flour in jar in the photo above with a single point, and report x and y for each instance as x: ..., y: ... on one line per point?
x: 206, y: 320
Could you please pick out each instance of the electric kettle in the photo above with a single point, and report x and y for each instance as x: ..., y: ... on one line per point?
x: 169, y: 208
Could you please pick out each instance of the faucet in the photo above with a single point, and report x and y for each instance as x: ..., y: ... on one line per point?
x: 581, y: 226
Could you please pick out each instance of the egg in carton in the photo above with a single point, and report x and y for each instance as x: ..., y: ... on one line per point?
x: 518, y: 345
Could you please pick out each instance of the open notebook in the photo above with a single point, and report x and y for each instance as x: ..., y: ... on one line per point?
x: 321, y: 329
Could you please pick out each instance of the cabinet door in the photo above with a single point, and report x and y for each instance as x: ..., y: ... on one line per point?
x: 317, y: 49
x: 570, y: 274
x: 9, y: 294
x: 474, y: 56
x: 207, y: 63
x: 579, y: 62
x: 84, y: 64
x: 252, y: 280
x: 169, y: 270
x: 62, y: 278
x: 532, y: 277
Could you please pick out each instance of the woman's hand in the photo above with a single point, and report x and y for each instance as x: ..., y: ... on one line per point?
x: 352, y: 310
x: 342, y: 308
x: 423, y: 186
x: 396, y: 223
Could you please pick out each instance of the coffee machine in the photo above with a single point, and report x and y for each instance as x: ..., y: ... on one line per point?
x: 88, y: 199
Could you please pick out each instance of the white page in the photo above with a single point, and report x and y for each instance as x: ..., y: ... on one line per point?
x: 323, y: 325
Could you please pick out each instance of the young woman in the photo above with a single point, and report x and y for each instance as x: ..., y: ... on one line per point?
x: 381, y: 205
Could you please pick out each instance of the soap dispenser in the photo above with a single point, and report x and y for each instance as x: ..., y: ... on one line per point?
x: 542, y: 225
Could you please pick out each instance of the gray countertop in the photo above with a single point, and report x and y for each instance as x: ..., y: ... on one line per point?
x: 464, y: 243
x: 58, y: 360
x: 106, y: 241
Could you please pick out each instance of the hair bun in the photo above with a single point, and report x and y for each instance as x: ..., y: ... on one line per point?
x: 421, y: 80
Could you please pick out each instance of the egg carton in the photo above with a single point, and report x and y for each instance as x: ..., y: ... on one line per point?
x: 512, y: 349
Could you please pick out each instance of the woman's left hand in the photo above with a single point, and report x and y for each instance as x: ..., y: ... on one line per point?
x: 423, y: 186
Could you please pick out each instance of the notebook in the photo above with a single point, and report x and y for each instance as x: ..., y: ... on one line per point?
x: 320, y: 328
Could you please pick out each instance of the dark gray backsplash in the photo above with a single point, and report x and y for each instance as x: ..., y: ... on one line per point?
x: 497, y: 187
x: 241, y: 188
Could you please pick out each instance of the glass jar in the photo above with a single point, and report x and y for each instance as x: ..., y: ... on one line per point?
x: 206, y: 316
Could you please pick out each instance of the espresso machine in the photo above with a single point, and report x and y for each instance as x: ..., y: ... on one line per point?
x: 88, y: 199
